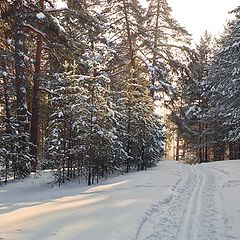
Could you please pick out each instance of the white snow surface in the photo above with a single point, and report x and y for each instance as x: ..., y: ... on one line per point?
x: 40, y: 16
x: 171, y: 201
x: 59, y: 4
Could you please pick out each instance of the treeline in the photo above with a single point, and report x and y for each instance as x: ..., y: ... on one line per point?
x: 208, y: 115
x: 79, y: 82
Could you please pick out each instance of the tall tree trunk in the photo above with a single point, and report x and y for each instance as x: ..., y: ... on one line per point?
x: 178, y: 148
x: 129, y: 35
x: 20, y: 66
x: 155, y: 47
x: 132, y: 67
x: 128, y: 139
x: 238, y: 150
x: 201, y: 143
x: 35, y: 100
x: 6, y: 85
x: 144, y: 166
x: 231, y: 151
x: 22, y: 168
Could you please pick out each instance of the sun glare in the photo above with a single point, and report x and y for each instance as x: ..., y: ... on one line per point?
x: 200, y: 15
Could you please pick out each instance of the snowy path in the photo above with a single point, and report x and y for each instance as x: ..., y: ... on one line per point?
x: 195, y: 211
x: 190, y: 220
x: 173, y: 201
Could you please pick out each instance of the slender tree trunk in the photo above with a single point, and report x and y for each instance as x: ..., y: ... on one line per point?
x: 128, y: 139
x: 7, y: 110
x: 91, y: 147
x: 238, y: 150
x: 129, y: 35
x: 178, y: 148
x: 144, y: 167
x: 35, y: 100
x: 200, y: 148
x: 231, y: 150
x: 22, y: 168
x: 184, y: 150
x: 20, y: 66
x: 155, y: 47
x: 205, y: 146
x: 131, y: 73
x: 6, y: 85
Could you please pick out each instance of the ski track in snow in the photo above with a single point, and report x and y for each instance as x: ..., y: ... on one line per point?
x: 193, y: 212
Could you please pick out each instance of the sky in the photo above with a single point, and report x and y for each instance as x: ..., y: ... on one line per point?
x: 200, y: 15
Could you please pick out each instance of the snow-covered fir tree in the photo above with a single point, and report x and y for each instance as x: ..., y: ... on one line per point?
x: 223, y: 91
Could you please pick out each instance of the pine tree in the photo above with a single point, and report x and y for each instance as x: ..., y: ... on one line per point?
x: 164, y: 39
x: 223, y: 92
x: 81, y: 71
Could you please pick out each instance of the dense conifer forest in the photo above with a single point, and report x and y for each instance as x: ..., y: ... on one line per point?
x: 89, y: 88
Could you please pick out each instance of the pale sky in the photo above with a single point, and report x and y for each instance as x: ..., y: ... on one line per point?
x: 200, y: 15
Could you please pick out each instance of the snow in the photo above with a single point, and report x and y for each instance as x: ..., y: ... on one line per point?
x: 100, y: 132
x: 236, y: 45
x: 172, y: 201
x: 94, y: 119
x: 9, y: 41
x: 56, y: 21
x: 60, y: 114
x: 194, y: 110
x: 59, y: 4
x: 4, y: 73
x: 40, y: 16
x: 110, y: 113
x: 200, y: 208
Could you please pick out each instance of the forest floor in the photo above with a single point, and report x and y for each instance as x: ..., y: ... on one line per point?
x: 171, y: 201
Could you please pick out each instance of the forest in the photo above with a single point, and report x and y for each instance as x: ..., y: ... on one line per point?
x: 89, y: 88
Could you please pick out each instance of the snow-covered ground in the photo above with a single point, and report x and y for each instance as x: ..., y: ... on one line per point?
x: 172, y: 201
